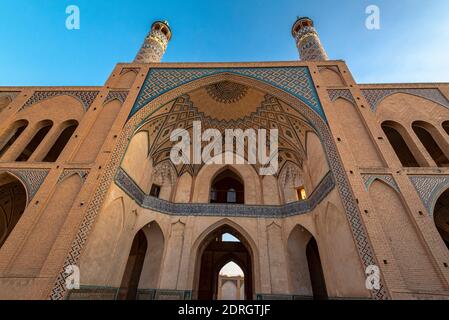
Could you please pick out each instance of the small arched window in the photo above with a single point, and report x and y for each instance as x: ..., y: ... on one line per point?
x: 36, y: 141
x: 227, y: 187
x: 14, y: 133
x: 60, y: 143
x: 423, y: 132
x: 399, y: 145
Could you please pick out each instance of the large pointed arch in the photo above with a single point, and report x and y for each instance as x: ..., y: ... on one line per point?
x: 206, y: 271
x: 202, y: 240
x: 353, y: 214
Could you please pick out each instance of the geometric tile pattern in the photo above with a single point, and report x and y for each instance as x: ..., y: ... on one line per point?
x: 294, y: 80
x: 85, y: 97
x: 270, y: 114
x: 368, y: 179
x: 334, y: 94
x: 226, y: 91
x: 429, y: 189
x: 144, y: 110
x: 68, y: 172
x: 375, y: 96
x: 31, y: 178
x: 119, y: 95
x: 126, y: 183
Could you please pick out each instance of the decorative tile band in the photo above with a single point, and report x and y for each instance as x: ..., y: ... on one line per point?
x: 294, y: 80
x: 269, y: 296
x: 334, y: 94
x: 31, y: 178
x: 375, y: 96
x: 112, y: 293
x: 429, y: 189
x: 326, y: 185
x: 85, y: 97
x: 368, y: 179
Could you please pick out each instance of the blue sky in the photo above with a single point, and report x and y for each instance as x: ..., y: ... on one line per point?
x: 411, y: 46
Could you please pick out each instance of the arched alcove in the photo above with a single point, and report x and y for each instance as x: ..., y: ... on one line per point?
x: 423, y: 131
x: 398, y: 143
x: 126, y: 79
x: 305, y: 268
x: 153, y: 257
x: 133, y: 270
x: 247, y: 174
x: 96, y: 262
x: 227, y: 187
x: 412, y: 258
x: 331, y: 78
x: 43, y: 128
x: 13, y: 201
x: 12, y: 135
x: 68, y: 128
x: 48, y: 227
x: 317, y: 164
x: 136, y: 157
x: 291, y: 181
x: 357, y: 134
x: 441, y: 216
x: 94, y: 140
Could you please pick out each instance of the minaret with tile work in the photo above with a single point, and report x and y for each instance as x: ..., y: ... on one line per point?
x: 155, y: 43
x: 307, y: 40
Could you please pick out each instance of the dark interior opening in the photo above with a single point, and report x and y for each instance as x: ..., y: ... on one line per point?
x: 34, y: 143
x: 133, y: 270
x: 431, y: 145
x: 227, y: 187
x: 316, y: 271
x: 441, y: 216
x: 400, y: 146
x: 15, y: 133
x: 60, y: 143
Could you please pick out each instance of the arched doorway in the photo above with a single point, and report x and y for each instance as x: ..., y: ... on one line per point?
x: 13, y: 200
x: 133, y: 270
x: 441, y: 216
x: 316, y: 271
x: 231, y: 282
x: 227, y: 187
x: 306, y: 272
x: 222, y: 246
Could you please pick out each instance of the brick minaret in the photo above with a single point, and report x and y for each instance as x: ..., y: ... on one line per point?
x: 307, y: 40
x: 155, y: 43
